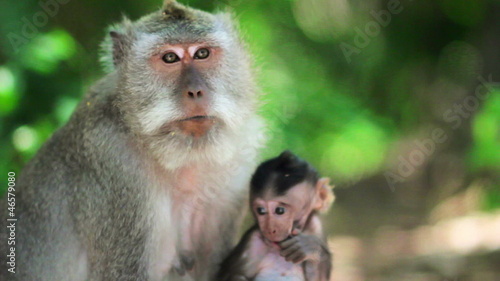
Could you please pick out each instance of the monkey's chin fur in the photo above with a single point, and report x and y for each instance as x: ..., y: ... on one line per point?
x: 217, y: 146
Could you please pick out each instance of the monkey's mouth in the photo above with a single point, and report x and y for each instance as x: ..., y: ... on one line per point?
x: 277, y: 241
x: 197, y: 118
x: 273, y: 243
x: 196, y: 126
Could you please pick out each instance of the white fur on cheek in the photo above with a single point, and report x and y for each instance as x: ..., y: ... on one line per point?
x: 228, y: 111
x: 152, y: 118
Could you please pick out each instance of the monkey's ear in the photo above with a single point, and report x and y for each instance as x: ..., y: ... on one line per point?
x: 118, y: 41
x: 114, y: 47
x: 325, y: 195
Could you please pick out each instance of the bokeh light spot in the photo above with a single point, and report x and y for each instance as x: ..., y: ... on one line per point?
x: 358, y: 150
x: 25, y: 139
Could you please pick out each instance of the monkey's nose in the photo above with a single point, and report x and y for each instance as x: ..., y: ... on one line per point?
x: 195, y: 94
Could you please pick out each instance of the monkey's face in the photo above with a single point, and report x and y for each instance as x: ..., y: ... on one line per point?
x: 190, y: 89
x: 278, y: 215
x: 186, y: 70
x: 187, y: 85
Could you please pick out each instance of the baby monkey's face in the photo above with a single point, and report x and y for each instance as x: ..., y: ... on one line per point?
x: 278, y: 214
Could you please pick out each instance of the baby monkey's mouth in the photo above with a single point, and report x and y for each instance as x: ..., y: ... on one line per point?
x: 277, y: 242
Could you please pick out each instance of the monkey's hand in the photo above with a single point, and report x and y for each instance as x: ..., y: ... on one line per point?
x: 302, y: 247
x: 184, y: 262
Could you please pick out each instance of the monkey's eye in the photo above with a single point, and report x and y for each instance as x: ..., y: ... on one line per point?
x: 202, y: 53
x: 170, y: 58
x: 280, y: 211
x: 261, y: 211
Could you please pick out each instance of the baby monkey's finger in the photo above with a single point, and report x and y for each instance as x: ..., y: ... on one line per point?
x: 286, y: 252
x: 298, y: 257
x: 295, y: 257
x: 287, y: 243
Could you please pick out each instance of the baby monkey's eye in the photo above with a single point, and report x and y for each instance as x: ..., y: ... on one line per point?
x: 280, y: 211
x: 202, y: 53
x: 261, y: 211
x: 170, y: 57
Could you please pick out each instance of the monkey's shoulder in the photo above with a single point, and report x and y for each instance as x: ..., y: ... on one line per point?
x: 93, y: 134
x: 98, y: 105
x: 97, y: 122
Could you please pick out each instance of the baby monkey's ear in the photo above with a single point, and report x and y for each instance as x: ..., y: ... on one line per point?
x: 325, y: 195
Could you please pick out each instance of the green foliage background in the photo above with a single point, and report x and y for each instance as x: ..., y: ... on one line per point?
x: 346, y: 114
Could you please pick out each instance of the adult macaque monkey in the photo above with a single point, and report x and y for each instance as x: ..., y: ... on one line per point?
x: 286, y: 243
x: 147, y: 179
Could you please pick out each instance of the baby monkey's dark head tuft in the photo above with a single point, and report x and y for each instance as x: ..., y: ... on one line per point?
x: 281, y: 173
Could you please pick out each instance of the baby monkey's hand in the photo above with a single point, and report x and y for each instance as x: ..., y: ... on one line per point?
x: 302, y: 247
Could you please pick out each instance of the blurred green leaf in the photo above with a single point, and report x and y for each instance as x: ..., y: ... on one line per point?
x: 44, y: 53
x: 486, y: 134
x: 9, y: 96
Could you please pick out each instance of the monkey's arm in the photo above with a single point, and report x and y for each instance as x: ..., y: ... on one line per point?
x: 241, y: 264
x: 311, y: 249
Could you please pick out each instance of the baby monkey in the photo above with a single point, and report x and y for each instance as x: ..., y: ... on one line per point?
x: 286, y: 243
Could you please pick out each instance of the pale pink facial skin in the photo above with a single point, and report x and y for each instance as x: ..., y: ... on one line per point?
x: 196, y: 97
x: 296, y: 205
